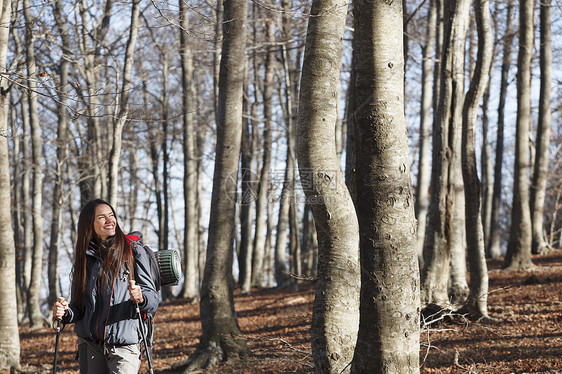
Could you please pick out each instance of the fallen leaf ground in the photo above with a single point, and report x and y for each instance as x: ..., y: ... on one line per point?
x: 524, y: 336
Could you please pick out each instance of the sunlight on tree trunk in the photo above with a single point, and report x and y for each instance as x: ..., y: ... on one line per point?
x: 9, y: 335
x: 518, y: 254
x: 388, y: 338
x: 540, y: 173
x: 335, y: 315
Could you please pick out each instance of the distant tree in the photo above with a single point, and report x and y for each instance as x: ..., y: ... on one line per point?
x: 91, y: 42
x: 61, y: 154
x: 388, y: 338
x: 123, y: 107
x: 447, y: 123
x: 493, y: 242
x: 221, y: 338
x: 424, y: 165
x: 540, y: 173
x: 476, y: 305
x: 259, y: 245
x: 518, y: 254
x: 335, y: 315
x: 34, y: 292
x: 189, y: 144
x: 9, y: 334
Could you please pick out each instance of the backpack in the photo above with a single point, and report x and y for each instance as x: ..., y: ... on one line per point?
x: 165, y: 265
x: 165, y: 270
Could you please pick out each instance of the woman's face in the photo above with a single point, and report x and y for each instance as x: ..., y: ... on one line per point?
x: 104, y: 221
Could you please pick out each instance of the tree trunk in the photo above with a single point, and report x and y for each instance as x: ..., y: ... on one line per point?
x: 287, y: 192
x: 123, y: 105
x: 493, y: 246
x: 221, y: 337
x: 424, y: 165
x: 335, y: 314
x: 9, y: 335
x: 258, y: 257
x: 190, y: 163
x: 246, y: 201
x: 23, y: 204
x: 486, y: 159
x: 34, y: 293
x: 92, y: 163
x: 477, y: 303
x: 62, y: 141
x: 447, y: 123
x: 518, y: 254
x: 458, y: 286
x: 388, y: 338
x: 540, y: 173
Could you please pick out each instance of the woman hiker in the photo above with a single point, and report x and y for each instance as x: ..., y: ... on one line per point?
x: 102, y: 298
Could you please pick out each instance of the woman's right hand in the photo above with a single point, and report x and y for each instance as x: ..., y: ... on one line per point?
x: 59, y: 309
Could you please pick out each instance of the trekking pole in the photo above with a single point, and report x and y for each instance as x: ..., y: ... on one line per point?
x: 141, y: 326
x: 57, y: 329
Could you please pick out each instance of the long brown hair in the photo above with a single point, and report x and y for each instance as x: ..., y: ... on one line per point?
x: 119, y: 252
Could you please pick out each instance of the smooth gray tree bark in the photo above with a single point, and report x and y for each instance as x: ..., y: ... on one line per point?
x: 9, y: 334
x: 335, y: 314
x: 388, y: 338
x: 190, y: 162
x: 518, y: 254
x: 540, y: 172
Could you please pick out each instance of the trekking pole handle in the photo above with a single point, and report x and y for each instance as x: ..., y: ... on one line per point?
x: 58, y: 319
x: 132, y: 283
x: 60, y: 300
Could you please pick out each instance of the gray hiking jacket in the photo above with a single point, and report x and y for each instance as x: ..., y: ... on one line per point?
x: 109, y: 316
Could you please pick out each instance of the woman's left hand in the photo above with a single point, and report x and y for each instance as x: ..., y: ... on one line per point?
x: 135, y: 293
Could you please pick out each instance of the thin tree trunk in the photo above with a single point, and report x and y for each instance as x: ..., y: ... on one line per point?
x: 335, y: 314
x: 424, y: 166
x: 258, y: 263
x: 281, y: 272
x: 62, y: 140
x: 486, y: 160
x: 389, y: 328
x: 518, y: 254
x: 9, y: 335
x: 123, y: 105
x: 477, y: 303
x: 92, y: 164
x: 17, y: 214
x: 447, y: 122
x: 23, y: 204
x: 246, y: 201
x: 540, y: 173
x: 221, y: 337
x: 190, y: 163
x: 34, y: 293
x: 493, y: 247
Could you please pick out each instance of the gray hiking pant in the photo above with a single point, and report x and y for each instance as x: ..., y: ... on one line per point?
x: 118, y: 359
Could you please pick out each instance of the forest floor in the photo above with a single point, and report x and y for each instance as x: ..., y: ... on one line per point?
x: 523, y: 336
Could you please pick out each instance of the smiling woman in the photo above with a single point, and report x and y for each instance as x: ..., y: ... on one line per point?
x: 109, y: 277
